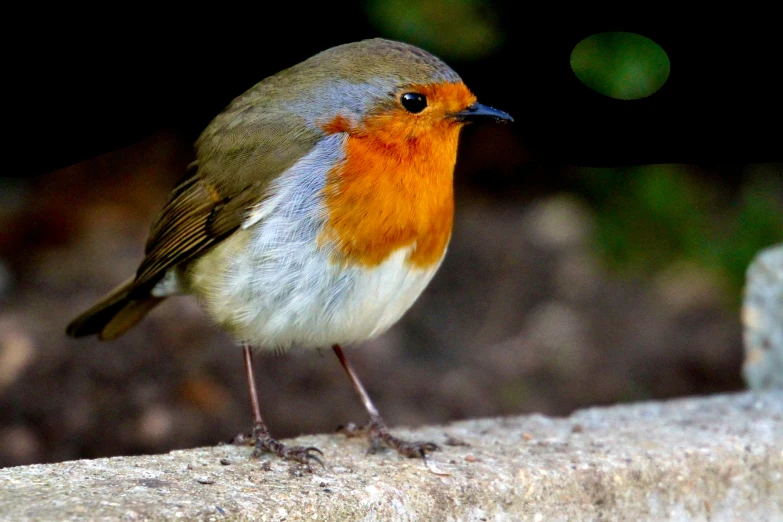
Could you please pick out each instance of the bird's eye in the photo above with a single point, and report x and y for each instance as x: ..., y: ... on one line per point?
x: 413, y: 102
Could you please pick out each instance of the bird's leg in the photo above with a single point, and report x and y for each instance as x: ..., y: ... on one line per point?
x: 263, y: 440
x: 376, y: 429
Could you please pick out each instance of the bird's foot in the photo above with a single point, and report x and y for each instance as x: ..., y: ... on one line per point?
x: 264, y: 443
x: 378, y: 434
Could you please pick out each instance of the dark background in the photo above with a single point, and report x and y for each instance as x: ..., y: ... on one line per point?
x: 597, y: 257
x: 81, y: 87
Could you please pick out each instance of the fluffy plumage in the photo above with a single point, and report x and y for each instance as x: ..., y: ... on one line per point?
x: 318, y: 208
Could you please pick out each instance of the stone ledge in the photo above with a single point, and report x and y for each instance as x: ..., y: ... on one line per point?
x: 714, y: 458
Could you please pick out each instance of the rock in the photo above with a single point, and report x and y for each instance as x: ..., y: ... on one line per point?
x: 762, y: 317
x: 716, y: 458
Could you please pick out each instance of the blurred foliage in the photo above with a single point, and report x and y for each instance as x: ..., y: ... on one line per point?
x: 625, y: 66
x: 452, y: 29
x: 653, y: 216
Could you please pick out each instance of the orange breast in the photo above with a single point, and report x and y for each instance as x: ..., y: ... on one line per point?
x: 394, y: 190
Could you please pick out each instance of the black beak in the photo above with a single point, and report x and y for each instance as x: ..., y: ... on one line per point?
x: 479, y: 112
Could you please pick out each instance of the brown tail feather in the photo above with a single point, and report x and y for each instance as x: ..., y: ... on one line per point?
x: 113, y: 315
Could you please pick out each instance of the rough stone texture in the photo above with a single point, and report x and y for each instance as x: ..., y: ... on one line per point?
x: 762, y: 318
x: 717, y: 458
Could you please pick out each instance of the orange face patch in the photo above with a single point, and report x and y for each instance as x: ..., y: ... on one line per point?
x: 395, y: 187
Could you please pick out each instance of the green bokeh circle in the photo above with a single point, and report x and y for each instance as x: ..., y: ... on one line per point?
x: 625, y: 66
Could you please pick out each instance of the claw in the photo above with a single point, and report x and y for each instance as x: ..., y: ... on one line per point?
x: 313, y: 457
x: 303, y: 455
x: 428, y: 446
x: 300, y: 454
x: 417, y: 449
x: 308, y: 456
x: 379, y: 435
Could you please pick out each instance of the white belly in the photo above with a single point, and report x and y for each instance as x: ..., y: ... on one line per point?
x: 300, y: 297
x: 269, y: 284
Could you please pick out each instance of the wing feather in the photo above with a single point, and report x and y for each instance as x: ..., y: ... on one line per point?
x: 236, y: 164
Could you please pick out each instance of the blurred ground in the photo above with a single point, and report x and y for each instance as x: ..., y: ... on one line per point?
x: 521, y: 318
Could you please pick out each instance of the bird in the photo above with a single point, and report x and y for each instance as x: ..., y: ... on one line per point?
x: 318, y: 208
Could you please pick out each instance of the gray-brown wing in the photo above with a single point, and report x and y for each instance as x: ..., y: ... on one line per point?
x: 238, y: 156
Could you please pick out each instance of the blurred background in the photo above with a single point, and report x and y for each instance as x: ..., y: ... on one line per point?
x: 599, y: 247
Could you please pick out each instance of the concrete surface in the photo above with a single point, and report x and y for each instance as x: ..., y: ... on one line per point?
x: 762, y: 319
x: 716, y: 458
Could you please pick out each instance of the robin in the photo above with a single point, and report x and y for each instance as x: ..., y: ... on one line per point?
x: 319, y: 207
